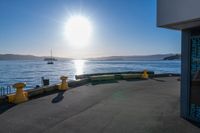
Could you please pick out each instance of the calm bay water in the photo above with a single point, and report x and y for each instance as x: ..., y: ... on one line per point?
x: 32, y: 71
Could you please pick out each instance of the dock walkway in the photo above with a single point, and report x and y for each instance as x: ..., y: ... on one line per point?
x: 147, y: 106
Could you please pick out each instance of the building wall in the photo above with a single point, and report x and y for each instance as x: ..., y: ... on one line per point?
x: 184, y: 15
x: 178, y: 14
x: 185, y: 74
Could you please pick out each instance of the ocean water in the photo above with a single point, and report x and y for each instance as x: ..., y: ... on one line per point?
x: 32, y: 71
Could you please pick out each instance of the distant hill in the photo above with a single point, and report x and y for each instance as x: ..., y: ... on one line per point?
x: 135, y: 58
x: 19, y: 57
x: 173, y: 57
x: 26, y: 57
x: 110, y: 58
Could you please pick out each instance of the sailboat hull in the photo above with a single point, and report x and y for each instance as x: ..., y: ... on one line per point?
x: 50, y: 63
x: 50, y: 60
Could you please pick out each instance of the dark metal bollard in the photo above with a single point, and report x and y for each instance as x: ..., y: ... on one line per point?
x: 5, y: 90
x: 45, y: 81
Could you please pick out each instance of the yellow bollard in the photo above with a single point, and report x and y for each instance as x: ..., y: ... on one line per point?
x: 145, y: 74
x: 20, y: 95
x: 64, y: 84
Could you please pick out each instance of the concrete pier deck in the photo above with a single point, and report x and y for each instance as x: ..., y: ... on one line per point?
x: 147, y: 106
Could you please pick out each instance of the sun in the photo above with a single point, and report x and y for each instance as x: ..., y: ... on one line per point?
x: 78, y: 30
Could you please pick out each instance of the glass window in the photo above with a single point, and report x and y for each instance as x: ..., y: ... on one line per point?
x: 195, y: 78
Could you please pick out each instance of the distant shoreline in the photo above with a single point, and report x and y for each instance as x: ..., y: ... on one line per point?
x: 155, y: 57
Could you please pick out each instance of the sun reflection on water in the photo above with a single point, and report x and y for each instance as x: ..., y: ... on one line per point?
x: 79, y: 66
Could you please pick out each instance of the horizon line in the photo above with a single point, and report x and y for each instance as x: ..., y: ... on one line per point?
x: 92, y: 57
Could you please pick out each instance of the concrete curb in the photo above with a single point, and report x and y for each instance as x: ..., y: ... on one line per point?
x: 167, y: 75
x: 81, y: 80
x: 45, y: 90
x: 117, y: 74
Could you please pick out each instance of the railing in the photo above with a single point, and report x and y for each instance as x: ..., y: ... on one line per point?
x: 6, y: 90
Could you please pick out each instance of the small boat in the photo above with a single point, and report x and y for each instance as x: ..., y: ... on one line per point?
x: 50, y: 60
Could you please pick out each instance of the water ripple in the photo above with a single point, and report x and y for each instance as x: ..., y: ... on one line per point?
x: 32, y: 71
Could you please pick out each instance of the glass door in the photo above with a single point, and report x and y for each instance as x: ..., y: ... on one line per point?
x: 195, y: 79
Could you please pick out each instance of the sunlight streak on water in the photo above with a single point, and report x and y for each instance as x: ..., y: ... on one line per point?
x: 79, y: 66
x: 32, y: 71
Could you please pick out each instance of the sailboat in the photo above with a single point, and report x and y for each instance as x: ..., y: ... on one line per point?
x: 50, y: 61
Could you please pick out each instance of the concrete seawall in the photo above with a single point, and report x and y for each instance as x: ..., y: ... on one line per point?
x: 81, y: 80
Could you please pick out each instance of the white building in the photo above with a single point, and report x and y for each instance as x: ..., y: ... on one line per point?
x: 184, y: 15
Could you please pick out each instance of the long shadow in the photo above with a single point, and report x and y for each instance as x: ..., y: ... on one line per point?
x: 104, y: 82
x: 134, y: 79
x: 197, y: 124
x: 59, y: 97
x: 5, y: 107
x: 159, y: 80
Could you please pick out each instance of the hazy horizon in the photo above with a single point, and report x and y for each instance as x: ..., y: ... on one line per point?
x: 86, y: 57
x: 119, y: 28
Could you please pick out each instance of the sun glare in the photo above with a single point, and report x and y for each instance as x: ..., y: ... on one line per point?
x: 78, y: 30
x: 79, y: 66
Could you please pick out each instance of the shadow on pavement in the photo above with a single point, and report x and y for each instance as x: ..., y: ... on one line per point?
x: 104, y: 82
x: 5, y: 107
x: 59, y: 97
x: 159, y: 80
x: 134, y: 79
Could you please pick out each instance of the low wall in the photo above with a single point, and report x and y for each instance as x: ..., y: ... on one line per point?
x: 46, y: 90
x: 81, y: 80
x: 117, y: 74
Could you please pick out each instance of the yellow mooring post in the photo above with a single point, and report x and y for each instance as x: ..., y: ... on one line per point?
x: 145, y: 74
x: 20, y: 95
x: 64, y: 84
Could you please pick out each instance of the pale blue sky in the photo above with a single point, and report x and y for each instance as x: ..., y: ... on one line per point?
x: 120, y: 27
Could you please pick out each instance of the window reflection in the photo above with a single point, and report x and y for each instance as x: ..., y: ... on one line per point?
x: 195, y: 78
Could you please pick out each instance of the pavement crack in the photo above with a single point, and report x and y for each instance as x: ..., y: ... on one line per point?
x: 109, y: 122
x: 73, y: 115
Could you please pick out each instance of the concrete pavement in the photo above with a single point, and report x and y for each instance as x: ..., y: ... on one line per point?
x: 148, y: 106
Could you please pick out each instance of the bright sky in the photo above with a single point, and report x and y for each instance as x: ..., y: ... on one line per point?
x: 119, y: 27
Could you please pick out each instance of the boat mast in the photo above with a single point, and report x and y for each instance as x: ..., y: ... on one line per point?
x: 51, y: 56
